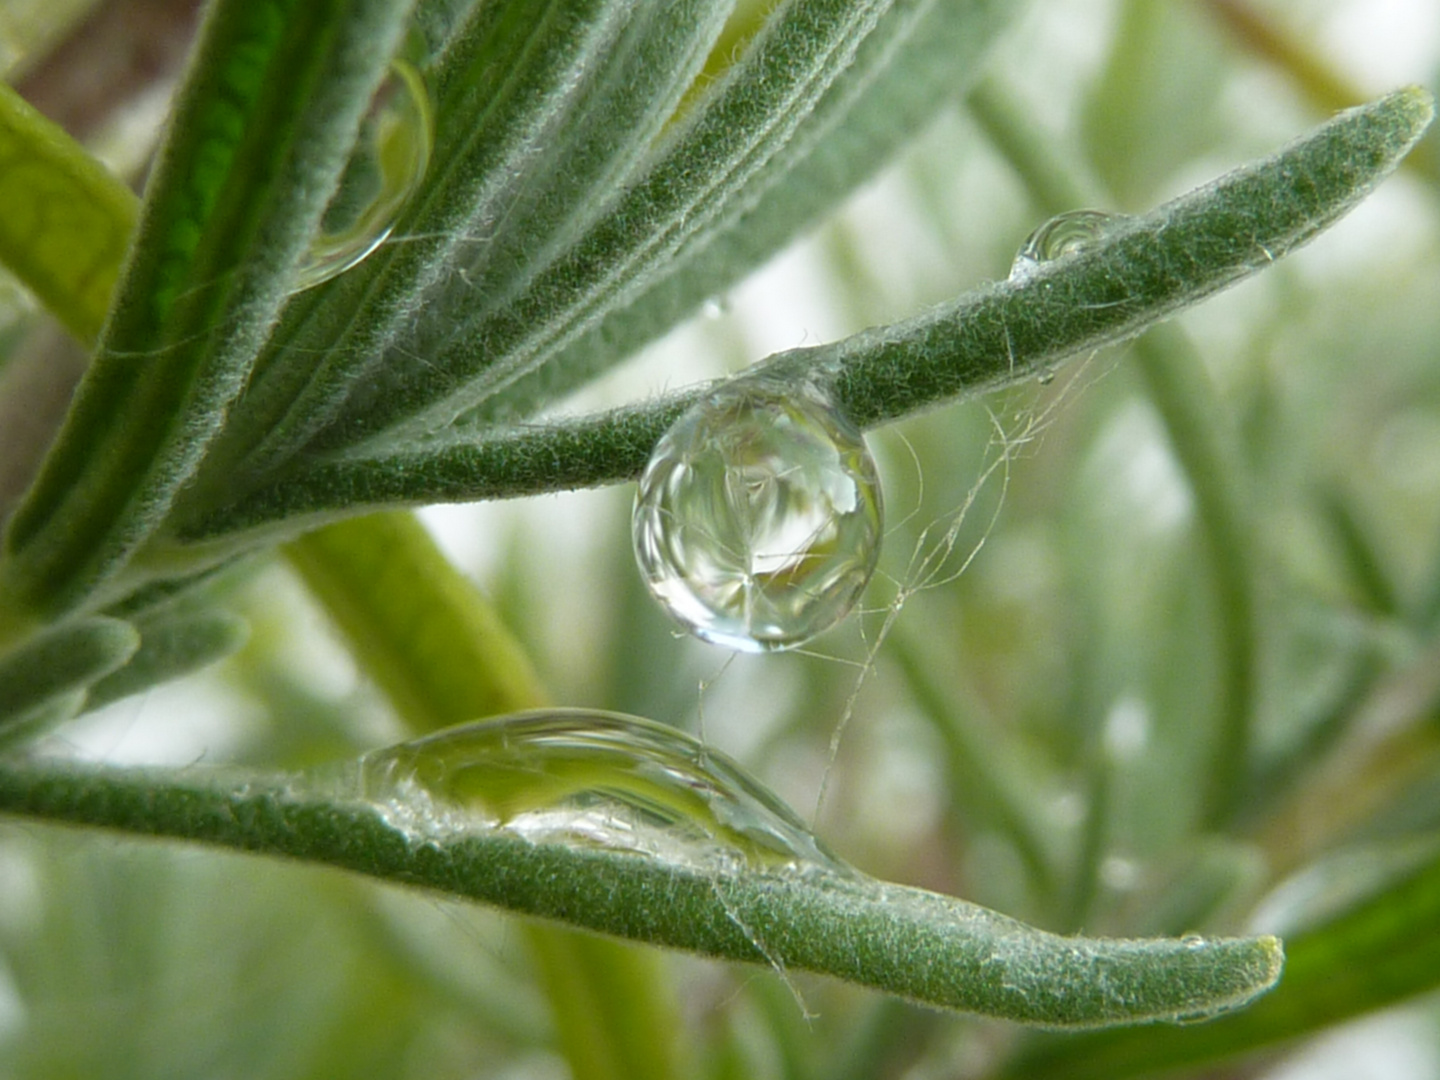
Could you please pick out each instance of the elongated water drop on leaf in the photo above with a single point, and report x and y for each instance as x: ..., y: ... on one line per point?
x: 386, y: 168
x: 1073, y: 230
x: 757, y: 521
x: 586, y: 778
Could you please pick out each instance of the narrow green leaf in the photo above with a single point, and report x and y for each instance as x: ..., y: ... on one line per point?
x: 1144, y: 271
x: 30, y: 724
x: 934, y: 949
x: 60, y: 662
x: 1175, y: 379
x: 262, y: 131
x: 1379, y: 952
x: 172, y: 644
x: 67, y: 220
x: 795, y: 99
x: 1165, y: 62
x: 1361, y: 559
x: 711, y: 156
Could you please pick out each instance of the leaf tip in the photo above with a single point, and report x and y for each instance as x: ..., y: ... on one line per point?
x: 1256, y: 965
x: 1272, y: 951
x: 1410, y: 110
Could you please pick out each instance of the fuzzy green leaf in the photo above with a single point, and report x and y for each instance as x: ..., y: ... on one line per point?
x: 918, y: 57
x: 172, y: 644
x: 709, y: 159
x: 824, y: 93
x: 262, y: 131
x: 1145, y: 270
x: 538, y: 108
x: 56, y: 664
x: 920, y: 945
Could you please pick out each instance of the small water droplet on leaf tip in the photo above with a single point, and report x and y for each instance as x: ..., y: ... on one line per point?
x: 757, y: 521
x: 385, y: 170
x: 589, y: 779
x: 1064, y: 233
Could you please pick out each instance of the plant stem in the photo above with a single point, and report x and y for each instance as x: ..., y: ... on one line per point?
x: 67, y: 220
x: 440, y: 652
x: 981, y: 771
x: 1186, y: 400
x: 1181, y: 391
x: 420, y: 629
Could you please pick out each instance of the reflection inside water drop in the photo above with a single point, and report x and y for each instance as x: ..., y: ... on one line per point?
x: 581, y: 777
x: 757, y: 520
x: 1064, y: 233
x: 385, y: 169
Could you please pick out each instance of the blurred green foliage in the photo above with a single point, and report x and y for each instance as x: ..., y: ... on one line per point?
x: 1031, y: 735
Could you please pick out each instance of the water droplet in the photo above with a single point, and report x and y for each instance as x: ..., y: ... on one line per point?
x: 1119, y: 873
x: 387, y: 166
x: 1064, y: 233
x: 1194, y: 942
x: 757, y: 520
x: 580, y: 777
x: 714, y: 307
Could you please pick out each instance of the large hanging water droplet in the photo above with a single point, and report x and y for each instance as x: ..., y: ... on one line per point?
x: 579, y: 777
x: 757, y: 521
x: 1064, y: 233
x: 386, y: 168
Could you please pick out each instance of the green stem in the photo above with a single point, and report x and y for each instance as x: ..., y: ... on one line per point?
x: 1054, y: 179
x: 1186, y: 400
x: 419, y: 627
x: 1181, y: 391
x: 983, y: 774
x: 1094, y: 836
x: 439, y: 651
x: 66, y: 221
x: 612, y: 1018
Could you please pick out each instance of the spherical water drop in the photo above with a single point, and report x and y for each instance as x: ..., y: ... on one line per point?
x: 757, y: 520
x: 385, y: 169
x: 1064, y: 233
